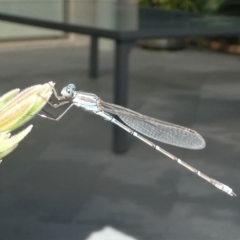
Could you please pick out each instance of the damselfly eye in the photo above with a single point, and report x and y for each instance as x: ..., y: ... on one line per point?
x: 71, y: 86
x: 67, y: 92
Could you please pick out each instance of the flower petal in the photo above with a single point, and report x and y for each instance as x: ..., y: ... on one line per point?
x: 24, y: 106
x: 6, y: 152
x: 11, y: 117
x: 38, y: 105
x: 36, y: 89
x: 8, y: 96
x: 10, y: 144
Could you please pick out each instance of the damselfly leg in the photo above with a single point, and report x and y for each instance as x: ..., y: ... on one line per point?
x: 62, y: 101
x: 60, y: 116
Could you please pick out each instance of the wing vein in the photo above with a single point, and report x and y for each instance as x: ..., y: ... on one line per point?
x: 156, y: 129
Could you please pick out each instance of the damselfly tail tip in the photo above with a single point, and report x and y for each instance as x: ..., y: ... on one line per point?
x: 228, y: 190
x: 233, y: 194
x: 224, y: 188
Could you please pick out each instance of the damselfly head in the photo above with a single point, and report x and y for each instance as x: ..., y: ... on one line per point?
x: 68, y: 91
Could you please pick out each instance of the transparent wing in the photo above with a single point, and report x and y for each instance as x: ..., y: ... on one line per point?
x: 156, y: 129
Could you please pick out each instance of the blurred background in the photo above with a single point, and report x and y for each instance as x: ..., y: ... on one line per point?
x: 64, y: 181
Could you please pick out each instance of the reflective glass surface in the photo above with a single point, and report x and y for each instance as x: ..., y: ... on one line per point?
x: 116, y: 16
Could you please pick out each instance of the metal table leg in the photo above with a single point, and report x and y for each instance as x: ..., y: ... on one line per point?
x: 122, y: 50
x: 93, y: 64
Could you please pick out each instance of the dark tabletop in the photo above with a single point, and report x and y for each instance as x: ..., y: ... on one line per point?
x: 116, y: 20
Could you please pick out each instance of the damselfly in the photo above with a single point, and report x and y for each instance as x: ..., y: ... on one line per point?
x: 159, y: 130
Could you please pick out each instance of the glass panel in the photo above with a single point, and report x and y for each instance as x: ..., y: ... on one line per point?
x: 31, y: 8
x: 116, y: 15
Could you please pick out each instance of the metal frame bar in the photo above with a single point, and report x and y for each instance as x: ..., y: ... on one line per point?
x: 121, y: 74
x: 93, y: 58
